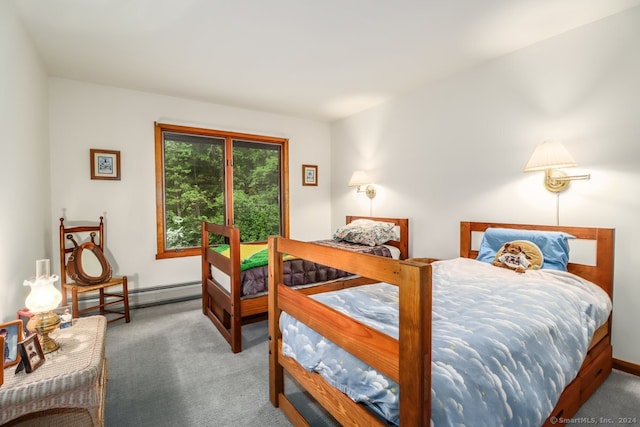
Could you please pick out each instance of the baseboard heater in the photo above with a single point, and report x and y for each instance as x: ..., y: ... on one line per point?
x: 156, y: 295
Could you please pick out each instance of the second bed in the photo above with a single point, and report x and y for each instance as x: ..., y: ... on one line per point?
x: 234, y: 287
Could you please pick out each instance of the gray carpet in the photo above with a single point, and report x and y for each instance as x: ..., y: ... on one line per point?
x: 615, y: 403
x: 170, y: 367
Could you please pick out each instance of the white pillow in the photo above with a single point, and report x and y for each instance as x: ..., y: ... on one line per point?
x: 367, y: 232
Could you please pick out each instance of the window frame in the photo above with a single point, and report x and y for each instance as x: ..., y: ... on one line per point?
x: 159, y: 128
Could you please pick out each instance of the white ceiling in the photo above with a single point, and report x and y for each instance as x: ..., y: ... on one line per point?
x: 319, y: 59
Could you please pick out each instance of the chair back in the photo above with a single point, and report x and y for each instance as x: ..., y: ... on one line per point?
x: 73, y: 241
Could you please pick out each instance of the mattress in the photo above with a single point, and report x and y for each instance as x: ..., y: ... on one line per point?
x: 504, y: 345
x: 225, y: 282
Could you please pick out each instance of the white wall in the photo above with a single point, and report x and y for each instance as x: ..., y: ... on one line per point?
x: 455, y: 150
x: 85, y: 116
x: 24, y: 175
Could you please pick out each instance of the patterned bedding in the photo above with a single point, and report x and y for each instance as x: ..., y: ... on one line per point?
x: 504, y: 345
x: 298, y: 272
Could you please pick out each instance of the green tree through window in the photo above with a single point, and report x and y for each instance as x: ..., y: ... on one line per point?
x: 221, y: 177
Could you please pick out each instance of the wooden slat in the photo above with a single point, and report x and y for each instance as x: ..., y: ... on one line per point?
x: 254, y: 306
x: 338, y: 404
x: 276, y: 374
x: 370, y: 266
x: 367, y: 344
x: 220, y: 261
x: 220, y: 296
x: 296, y: 418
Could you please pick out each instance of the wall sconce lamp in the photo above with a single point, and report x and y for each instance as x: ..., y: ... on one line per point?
x: 360, y: 179
x: 550, y: 156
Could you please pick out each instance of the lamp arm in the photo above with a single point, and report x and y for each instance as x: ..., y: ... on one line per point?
x: 557, y: 180
x: 571, y: 177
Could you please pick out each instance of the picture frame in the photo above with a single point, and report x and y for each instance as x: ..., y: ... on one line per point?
x: 25, y: 315
x: 105, y: 164
x: 310, y: 175
x: 31, y: 353
x: 12, y: 334
x: 64, y: 313
x: 1, y: 358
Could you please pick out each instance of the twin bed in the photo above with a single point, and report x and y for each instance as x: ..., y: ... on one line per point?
x: 233, y: 295
x: 430, y: 331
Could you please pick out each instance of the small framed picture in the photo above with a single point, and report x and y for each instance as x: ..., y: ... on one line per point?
x: 12, y: 334
x: 25, y: 315
x: 309, y: 175
x: 64, y: 313
x: 105, y: 164
x: 2, y: 357
x: 31, y: 353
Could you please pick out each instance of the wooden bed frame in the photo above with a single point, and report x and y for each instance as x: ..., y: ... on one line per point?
x: 227, y: 310
x: 408, y: 359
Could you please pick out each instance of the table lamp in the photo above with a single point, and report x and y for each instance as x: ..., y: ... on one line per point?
x: 43, y: 298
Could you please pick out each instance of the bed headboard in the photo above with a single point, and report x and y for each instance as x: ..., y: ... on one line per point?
x: 403, y: 225
x: 601, y: 273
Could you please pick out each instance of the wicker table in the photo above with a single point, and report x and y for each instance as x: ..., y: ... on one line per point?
x: 69, y: 388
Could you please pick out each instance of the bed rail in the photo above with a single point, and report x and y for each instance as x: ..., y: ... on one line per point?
x: 411, y: 351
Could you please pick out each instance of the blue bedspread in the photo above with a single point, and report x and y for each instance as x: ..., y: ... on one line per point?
x: 504, y: 345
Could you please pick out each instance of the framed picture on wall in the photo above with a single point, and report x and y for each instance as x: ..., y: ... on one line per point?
x: 309, y: 175
x: 105, y: 164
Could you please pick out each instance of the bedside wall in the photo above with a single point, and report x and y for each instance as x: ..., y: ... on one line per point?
x: 455, y: 150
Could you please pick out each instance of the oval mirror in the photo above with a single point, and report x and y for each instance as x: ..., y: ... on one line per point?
x: 91, y: 264
x: 88, y: 266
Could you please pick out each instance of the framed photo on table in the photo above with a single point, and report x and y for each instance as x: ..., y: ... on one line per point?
x: 12, y: 334
x: 105, y: 164
x: 64, y: 313
x: 309, y: 175
x: 2, y: 357
x: 31, y: 353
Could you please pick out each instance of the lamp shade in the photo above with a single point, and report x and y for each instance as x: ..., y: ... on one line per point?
x: 549, y: 155
x: 43, y: 296
x: 359, y: 178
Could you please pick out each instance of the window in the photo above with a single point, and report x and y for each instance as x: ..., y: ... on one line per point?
x: 218, y: 176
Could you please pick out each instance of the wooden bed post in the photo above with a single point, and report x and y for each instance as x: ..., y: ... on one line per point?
x: 276, y: 374
x: 415, y: 344
x: 205, y: 266
x: 236, y: 312
x: 465, y: 238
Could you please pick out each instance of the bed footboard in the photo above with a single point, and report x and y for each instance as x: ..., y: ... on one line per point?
x: 221, y: 307
x: 411, y: 351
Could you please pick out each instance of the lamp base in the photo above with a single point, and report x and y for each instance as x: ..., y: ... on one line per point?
x: 370, y: 191
x: 555, y: 181
x: 42, y: 324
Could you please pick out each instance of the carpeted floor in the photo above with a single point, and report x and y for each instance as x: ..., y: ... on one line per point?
x: 615, y: 403
x: 171, y: 367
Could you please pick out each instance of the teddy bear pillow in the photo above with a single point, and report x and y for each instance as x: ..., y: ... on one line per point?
x: 519, y: 255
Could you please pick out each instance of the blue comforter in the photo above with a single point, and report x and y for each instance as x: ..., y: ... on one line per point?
x: 504, y: 345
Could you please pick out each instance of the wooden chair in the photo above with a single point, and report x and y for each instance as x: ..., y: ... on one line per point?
x: 68, y: 238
